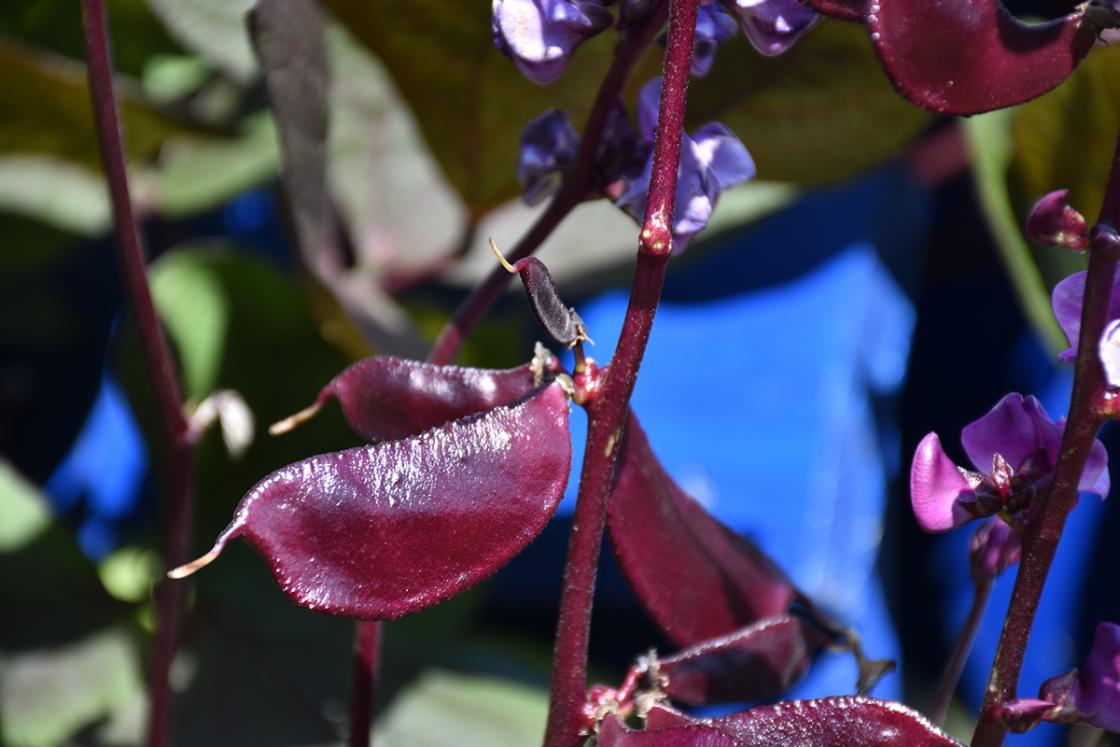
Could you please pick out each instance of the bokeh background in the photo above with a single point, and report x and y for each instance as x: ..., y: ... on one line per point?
x: 872, y: 285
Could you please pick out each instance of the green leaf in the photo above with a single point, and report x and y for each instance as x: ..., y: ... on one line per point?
x: 821, y: 113
x: 470, y: 102
x: 61, y: 194
x: 444, y: 708
x: 214, y: 29
x: 26, y: 515
x: 989, y: 146
x: 48, y: 695
x: 45, y: 108
x: 197, y: 174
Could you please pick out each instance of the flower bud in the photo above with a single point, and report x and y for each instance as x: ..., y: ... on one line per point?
x: 1054, y: 222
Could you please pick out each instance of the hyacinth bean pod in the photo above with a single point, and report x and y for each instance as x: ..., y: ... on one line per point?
x: 756, y: 663
x: 972, y: 56
x: 386, y: 398
x: 381, y: 531
x: 829, y: 722
x: 696, y: 578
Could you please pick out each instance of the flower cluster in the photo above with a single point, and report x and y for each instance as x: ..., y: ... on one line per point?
x: 1019, y: 443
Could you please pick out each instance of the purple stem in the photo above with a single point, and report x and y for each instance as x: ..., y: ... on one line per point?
x: 1085, y: 419
x: 577, y: 186
x: 367, y: 644
x: 608, y: 410
x: 953, y: 670
x: 169, y: 596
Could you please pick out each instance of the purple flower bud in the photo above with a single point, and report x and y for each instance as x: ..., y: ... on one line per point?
x: 1054, y: 222
x: 1099, y: 691
x: 548, y: 146
x: 1019, y: 442
x: 772, y: 26
x: 713, y: 27
x: 995, y: 547
x: 712, y: 160
x: 540, y: 35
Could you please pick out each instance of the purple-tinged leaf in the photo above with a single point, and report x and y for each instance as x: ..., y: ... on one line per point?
x: 756, y: 663
x: 381, y: 531
x: 845, y: 10
x: 559, y: 321
x: 972, y: 56
x: 829, y: 722
x: 697, y: 579
x: 385, y: 398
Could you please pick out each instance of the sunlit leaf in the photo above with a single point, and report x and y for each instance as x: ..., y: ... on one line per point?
x: 215, y: 29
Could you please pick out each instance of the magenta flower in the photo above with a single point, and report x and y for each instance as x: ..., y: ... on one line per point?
x: 540, y: 35
x: 772, y: 26
x: 1067, y: 302
x: 712, y: 160
x: 994, y: 548
x: 1018, y: 442
x: 548, y: 145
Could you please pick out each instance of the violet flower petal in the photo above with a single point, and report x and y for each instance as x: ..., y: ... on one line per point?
x: 772, y: 26
x: 548, y: 147
x: 713, y: 27
x: 1066, y: 301
x: 1095, y: 478
x: 1015, y: 428
x: 937, y: 488
x: 1100, y: 679
x: 649, y: 103
x: 994, y: 548
x: 720, y: 151
x: 540, y: 35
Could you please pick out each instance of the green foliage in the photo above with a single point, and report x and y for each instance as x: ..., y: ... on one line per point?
x: 821, y: 113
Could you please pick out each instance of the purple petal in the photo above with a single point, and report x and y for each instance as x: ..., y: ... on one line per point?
x: 1015, y: 428
x: 772, y: 26
x: 713, y: 27
x: 1066, y: 302
x: 1054, y: 222
x: 1100, y: 679
x: 548, y: 146
x: 719, y: 149
x: 937, y: 488
x: 1095, y: 478
x: 540, y: 35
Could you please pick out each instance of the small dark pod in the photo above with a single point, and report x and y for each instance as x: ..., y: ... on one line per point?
x: 559, y: 321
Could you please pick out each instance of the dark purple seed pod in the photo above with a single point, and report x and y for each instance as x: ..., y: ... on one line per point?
x: 559, y: 321
x: 845, y: 10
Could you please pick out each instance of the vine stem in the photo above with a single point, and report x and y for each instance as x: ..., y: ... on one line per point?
x: 608, y: 410
x: 953, y: 670
x: 1086, y: 416
x: 158, y: 362
x: 576, y: 187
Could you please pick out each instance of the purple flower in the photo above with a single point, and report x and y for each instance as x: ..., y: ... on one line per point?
x: 548, y: 146
x: 1098, y: 693
x: 772, y: 26
x: 540, y: 35
x: 713, y: 27
x: 1019, y: 443
x: 1067, y: 302
x: 712, y: 160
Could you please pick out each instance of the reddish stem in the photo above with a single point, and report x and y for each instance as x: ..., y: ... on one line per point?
x: 157, y: 361
x: 577, y: 186
x: 953, y: 670
x: 1085, y: 419
x: 367, y: 645
x: 608, y: 410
